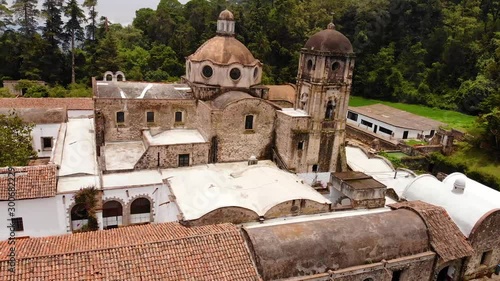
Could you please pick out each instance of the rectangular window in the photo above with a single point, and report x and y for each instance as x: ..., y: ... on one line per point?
x: 353, y: 116
x: 120, y: 117
x: 150, y: 117
x: 366, y: 123
x: 249, y: 122
x: 386, y: 131
x: 486, y: 258
x: 17, y: 223
x: 300, y: 146
x: 178, y: 116
x: 183, y: 160
x: 47, y: 143
x: 315, y: 168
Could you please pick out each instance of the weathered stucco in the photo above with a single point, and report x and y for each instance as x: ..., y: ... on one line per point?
x: 313, y: 247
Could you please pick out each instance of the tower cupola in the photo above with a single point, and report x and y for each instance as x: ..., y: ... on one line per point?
x: 225, y: 23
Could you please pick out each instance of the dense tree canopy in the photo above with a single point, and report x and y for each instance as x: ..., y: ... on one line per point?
x: 15, y: 141
x: 439, y: 53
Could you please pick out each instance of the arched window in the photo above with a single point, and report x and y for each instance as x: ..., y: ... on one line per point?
x: 119, y: 77
x: 112, y: 213
x: 109, y: 77
x: 140, y: 211
x: 303, y: 100
x: 330, y: 106
x: 79, y: 217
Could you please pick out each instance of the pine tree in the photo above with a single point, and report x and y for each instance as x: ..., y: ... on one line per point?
x: 54, y: 36
x: 74, y: 29
x: 5, y: 15
x: 92, y: 27
x: 26, y: 14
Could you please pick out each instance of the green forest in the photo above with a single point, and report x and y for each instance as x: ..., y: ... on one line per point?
x: 438, y: 53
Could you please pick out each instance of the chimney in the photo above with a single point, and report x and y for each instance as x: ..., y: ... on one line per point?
x: 459, y: 186
x: 253, y: 160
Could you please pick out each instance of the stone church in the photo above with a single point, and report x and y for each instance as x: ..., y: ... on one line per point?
x: 220, y: 112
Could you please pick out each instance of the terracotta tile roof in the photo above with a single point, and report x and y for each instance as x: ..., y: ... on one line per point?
x: 282, y: 92
x: 167, y: 251
x: 446, y: 238
x: 31, y: 182
x: 68, y: 103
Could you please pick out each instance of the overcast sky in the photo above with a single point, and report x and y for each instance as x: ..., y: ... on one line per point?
x: 120, y: 11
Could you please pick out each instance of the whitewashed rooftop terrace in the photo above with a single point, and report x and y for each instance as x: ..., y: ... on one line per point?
x: 202, y: 189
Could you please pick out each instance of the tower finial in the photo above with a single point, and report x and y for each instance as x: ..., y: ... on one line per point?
x: 331, y: 25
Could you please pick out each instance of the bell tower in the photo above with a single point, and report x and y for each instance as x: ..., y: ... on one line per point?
x: 324, y: 81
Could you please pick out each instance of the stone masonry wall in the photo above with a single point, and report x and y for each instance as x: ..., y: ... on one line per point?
x: 290, y: 131
x: 237, y: 144
x: 367, y: 138
x: 296, y: 207
x: 169, y: 155
x: 204, y: 120
x: 234, y: 215
x: 135, y: 116
x: 283, y: 138
x: 484, y: 238
x: 410, y: 270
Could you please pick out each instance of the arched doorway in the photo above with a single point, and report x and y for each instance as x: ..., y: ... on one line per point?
x: 112, y: 213
x: 79, y: 217
x: 140, y: 211
x: 446, y: 274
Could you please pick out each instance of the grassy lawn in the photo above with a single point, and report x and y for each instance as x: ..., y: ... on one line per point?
x: 454, y: 119
x: 476, y: 160
x: 415, y: 142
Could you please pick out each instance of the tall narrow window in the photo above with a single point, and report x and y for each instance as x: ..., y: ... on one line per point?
x: 249, y: 122
x: 150, y: 117
x: 329, y: 110
x: 183, y: 160
x: 486, y: 258
x: 178, y: 116
x: 120, y: 117
x: 315, y: 168
x: 300, y: 146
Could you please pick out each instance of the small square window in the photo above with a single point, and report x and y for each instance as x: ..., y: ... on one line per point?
x: 178, y: 116
x: 150, y: 117
x: 46, y: 143
x: 120, y: 117
x: 183, y: 160
x: 17, y: 223
x: 300, y: 146
x: 249, y: 122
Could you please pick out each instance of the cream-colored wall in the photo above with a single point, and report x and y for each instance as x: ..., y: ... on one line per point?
x: 220, y: 76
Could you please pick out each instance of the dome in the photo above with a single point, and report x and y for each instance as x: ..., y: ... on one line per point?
x: 226, y: 15
x: 329, y: 40
x: 224, y: 50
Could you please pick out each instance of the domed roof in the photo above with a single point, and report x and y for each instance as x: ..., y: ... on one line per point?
x: 329, y: 40
x: 226, y: 15
x: 224, y: 50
